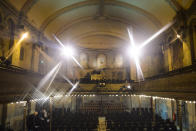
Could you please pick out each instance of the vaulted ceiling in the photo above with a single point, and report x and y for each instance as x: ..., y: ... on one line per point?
x: 99, y: 23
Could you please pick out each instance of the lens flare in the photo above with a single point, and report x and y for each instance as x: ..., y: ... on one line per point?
x: 134, y: 51
x: 68, y: 51
x: 25, y: 35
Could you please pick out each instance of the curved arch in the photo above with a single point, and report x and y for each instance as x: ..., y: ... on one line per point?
x: 28, y: 6
x: 95, y: 33
x: 150, y: 16
x: 65, y: 9
x: 85, y: 19
x: 93, y: 2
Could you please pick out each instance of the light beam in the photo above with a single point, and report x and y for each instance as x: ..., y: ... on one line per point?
x: 156, y: 34
x: 51, y: 60
x: 48, y: 76
x: 53, y: 77
x: 73, y: 88
x: 24, y: 36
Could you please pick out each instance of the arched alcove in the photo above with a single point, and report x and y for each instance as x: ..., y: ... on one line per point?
x: 84, y: 60
x: 101, y: 61
x: 118, y: 61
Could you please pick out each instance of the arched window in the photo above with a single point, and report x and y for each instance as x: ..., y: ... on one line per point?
x: 11, y: 32
x: 118, y: 61
x: 84, y: 60
x: 41, y: 67
x: 101, y: 61
x: 22, y: 53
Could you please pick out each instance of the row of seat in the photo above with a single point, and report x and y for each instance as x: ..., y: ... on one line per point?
x: 138, y: 120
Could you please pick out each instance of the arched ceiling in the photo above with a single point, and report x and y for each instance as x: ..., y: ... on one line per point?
x: 99, y: 23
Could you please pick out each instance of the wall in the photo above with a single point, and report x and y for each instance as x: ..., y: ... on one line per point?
x: 111, y: 61
x: 15, y: 114
x: 10, y: 36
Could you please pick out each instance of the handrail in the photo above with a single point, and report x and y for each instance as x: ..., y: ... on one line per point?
x: 183, y: 70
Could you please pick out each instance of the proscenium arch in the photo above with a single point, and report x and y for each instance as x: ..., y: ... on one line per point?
x: 59, y: 12
x: 85, y: 19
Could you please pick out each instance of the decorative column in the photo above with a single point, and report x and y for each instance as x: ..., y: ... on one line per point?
x: 173, y: 111
x: 179, y: 113
x: 25, y: 116
x: 140, y: 102
x: 153, y: 106
x: 51, y: 104
x: 130, y: 100
x: 128, y: 72
x: 32, y: 57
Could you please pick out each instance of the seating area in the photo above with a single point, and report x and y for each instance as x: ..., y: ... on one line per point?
x: 74, y: 121
x: 138, y: 120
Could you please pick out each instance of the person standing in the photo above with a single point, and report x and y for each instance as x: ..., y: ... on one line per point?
x: 34, y: 122
x: 44, y: 120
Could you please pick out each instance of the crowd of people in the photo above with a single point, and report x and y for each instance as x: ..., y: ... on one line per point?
x: 38, y: 121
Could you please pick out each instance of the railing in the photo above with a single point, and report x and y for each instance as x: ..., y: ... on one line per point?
x: 187, y: 69
x: 17, y: 69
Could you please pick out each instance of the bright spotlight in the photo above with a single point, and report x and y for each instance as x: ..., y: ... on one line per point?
x: 67, y: 51
x: 25, y: 35
x: 178, y: 36
x: 134, y: 51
